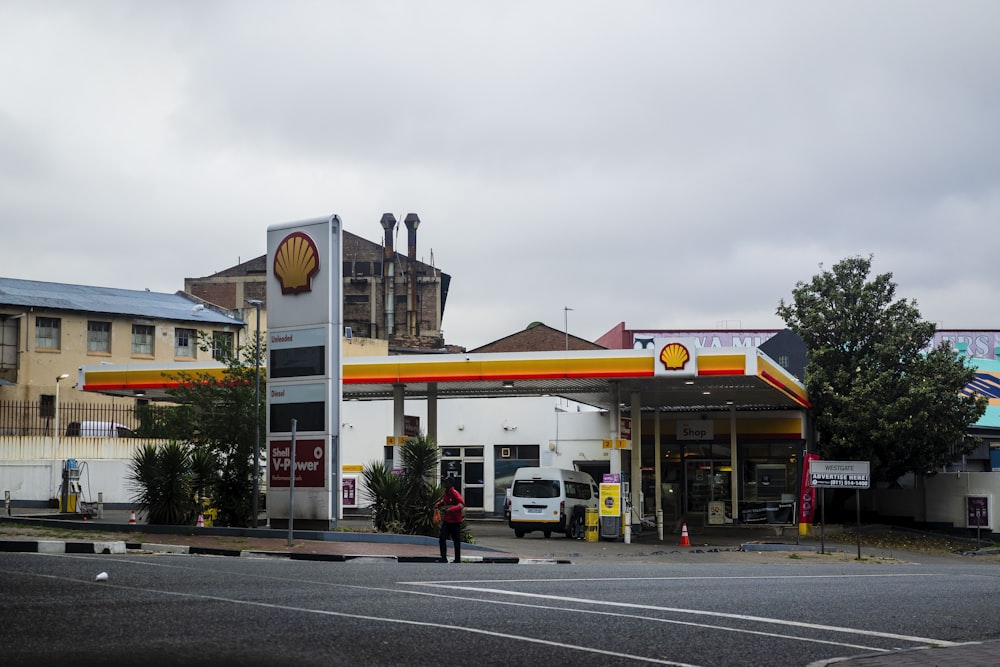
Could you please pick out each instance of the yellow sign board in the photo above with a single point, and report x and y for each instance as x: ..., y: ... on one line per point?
x: 611, y: 500
x: 621, y: 443
x: 352, y: 468
x: 607, y: 444
x: 390, y: 440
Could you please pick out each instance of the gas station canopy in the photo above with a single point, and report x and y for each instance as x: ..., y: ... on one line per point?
x: 722, y: 378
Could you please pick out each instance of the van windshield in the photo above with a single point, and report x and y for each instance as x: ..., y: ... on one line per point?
x: 536, y: 488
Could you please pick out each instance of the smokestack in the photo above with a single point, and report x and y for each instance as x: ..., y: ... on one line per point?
x: 389, y: 274
x: 412, y: 221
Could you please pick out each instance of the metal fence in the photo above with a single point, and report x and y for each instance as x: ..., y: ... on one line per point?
x: 37, y: 418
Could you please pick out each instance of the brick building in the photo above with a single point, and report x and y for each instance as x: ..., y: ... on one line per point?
x: 387, y: 295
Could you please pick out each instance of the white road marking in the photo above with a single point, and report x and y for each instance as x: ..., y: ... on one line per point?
x: 707, y: 626
x: 781, y: 577
x: 695, y: 612
x: 383, y: 619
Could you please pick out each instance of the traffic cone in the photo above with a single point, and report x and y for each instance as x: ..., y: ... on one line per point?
x: 131, y: 518
x: 201, y: 521
x: 685, y: 540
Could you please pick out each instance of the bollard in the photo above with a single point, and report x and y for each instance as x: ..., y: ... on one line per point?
x: 6, y: 501
x: 659, y: 524
x: 100, y: 504
x: 627, y: 522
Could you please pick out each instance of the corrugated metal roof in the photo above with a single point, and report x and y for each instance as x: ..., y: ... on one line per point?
x: 108, y: 300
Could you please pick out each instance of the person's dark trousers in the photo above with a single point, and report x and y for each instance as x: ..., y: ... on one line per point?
x: 454, y: 531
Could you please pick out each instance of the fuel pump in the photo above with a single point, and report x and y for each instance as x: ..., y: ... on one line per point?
x: 615, y: 510
x: 70, y: 486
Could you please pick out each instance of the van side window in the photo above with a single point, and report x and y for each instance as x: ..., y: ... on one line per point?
x: 578, y: 491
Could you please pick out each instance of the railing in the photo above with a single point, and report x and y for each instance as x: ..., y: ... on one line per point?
x: 38, y: 419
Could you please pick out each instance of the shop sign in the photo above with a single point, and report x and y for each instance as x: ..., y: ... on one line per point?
x: 695, y: 429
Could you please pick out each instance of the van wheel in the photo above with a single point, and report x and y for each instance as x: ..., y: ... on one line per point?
x: 547, y: 534
x: 518, y: 532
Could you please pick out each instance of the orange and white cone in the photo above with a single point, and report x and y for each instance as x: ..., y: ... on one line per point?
x: 201, y: 521
x: 685, y: 540
x: 131, y: 518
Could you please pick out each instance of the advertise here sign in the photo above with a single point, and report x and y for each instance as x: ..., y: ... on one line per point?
x: 840, y: 474
x: 310, y: 463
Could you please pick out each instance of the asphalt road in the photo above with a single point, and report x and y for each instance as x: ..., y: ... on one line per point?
x: 197, y: 610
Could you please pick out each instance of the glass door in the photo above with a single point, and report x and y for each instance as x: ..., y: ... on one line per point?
x: 707, y: 480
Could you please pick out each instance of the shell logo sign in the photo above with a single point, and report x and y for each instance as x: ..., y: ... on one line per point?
x: 674, y: 356
x: 296, y: 263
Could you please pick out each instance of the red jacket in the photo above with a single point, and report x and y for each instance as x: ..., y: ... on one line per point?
x: 453, y: 500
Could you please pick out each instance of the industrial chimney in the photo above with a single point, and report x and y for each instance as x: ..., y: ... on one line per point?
x: 389, y: 273
x: 412, y: 221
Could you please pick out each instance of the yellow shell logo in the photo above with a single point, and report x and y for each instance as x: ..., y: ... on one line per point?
x: 296, y: 261
x: 674, y: 356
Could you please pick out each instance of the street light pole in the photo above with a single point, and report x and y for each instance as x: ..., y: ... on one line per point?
x: 566, y: 310
x: 256, y: 303
x: 55, y: 450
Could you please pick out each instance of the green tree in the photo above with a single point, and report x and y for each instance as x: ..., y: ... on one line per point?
x: 877, y: 396
x: 164, y: 483
x: 217, y: 416
x: 404, y: 502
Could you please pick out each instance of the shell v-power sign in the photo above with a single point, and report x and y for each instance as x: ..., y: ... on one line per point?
x: 305, y: 320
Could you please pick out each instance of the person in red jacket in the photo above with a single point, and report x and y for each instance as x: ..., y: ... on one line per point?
x: 451, y: 505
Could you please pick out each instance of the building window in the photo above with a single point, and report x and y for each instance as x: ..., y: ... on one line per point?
x: 184, y: 342
x: 47, y: 333
x: 222, y: 345
x: 47, y: 406
x: 99, y: 337
x: 8, y: 342
x: 142, y: 339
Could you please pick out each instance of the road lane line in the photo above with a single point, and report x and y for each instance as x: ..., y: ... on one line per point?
x: 707, y: 626
x: 366, y: 617
x: 697, y: 612
x: 688, y: 578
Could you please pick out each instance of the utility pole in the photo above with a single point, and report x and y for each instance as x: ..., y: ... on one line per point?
x: 566, y: 310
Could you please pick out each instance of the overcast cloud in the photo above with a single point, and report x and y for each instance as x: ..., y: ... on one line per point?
x: 666, y: 164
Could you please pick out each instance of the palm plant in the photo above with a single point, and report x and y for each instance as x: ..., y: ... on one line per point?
x: 404, y: 502
x: 419, y: 460
x: 384, y: 490
x: 162, y: 479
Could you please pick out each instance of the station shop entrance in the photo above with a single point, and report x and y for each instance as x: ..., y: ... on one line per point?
x: 696, y: 477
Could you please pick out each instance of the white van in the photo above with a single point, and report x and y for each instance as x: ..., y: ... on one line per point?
x: 552, y: 500
x: 98, y: 430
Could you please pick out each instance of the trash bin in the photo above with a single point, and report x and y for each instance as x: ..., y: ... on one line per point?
x: 591, y: 522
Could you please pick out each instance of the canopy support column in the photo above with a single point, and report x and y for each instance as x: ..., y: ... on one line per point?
x: 734, y: 461
x: 432, y: 411
x: 398, y: 402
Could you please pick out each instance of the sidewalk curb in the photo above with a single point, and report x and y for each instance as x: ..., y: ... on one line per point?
x: 62, y: 547
x: 120, y: 547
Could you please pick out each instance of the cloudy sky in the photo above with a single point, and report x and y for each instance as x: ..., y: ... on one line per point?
x: 666, y: 164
